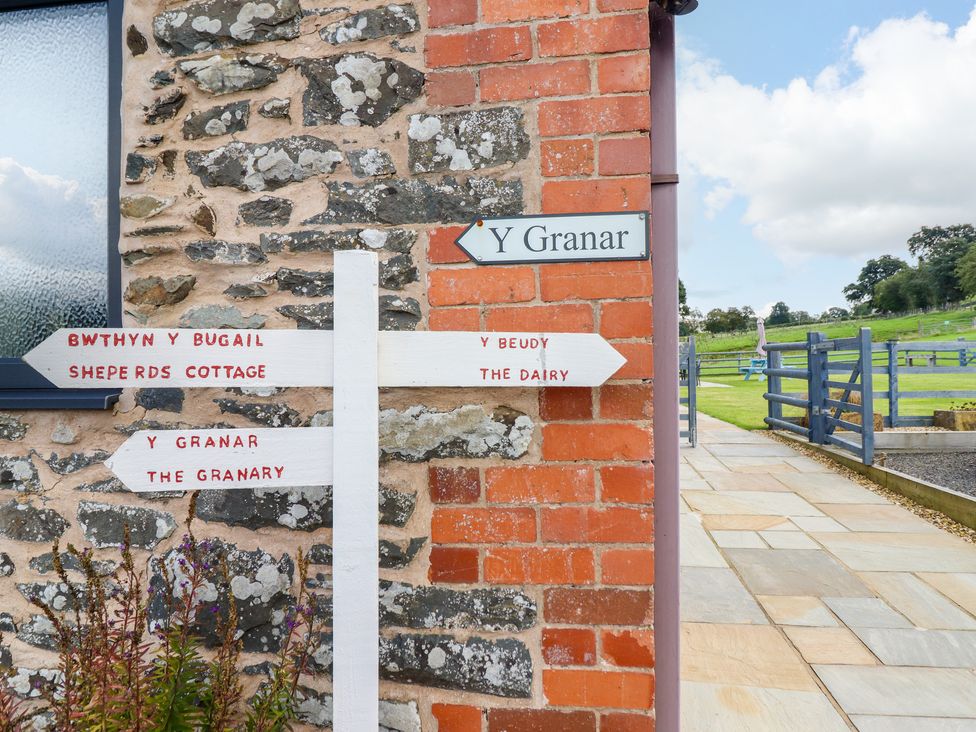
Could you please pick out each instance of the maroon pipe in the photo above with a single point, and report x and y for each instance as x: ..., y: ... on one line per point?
x: 664, y: 229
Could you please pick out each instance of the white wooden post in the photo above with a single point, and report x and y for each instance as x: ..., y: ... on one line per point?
x: 355, y: 495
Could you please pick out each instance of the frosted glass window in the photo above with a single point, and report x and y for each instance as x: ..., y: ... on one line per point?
x: 53, y: 172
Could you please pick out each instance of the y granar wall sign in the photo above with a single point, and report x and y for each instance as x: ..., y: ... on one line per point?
x: 355, y: 360
x: 597, y: 237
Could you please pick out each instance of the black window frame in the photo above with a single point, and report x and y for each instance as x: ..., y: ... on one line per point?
x: 21, y: 387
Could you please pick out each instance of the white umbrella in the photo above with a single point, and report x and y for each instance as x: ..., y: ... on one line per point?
x: 761, y: 348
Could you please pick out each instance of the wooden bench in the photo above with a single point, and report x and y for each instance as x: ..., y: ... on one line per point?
x: 756, y: 366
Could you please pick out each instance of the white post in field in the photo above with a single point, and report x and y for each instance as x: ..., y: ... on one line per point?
x: 355, y: 494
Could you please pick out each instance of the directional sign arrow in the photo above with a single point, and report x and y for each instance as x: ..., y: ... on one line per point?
x: 117, y: 357
x: 593, y: 237
x: 121, y: 357
x: 159, y: 460
x: 496, y: 359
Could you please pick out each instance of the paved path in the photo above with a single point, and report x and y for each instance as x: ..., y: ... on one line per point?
x: 811, y: 603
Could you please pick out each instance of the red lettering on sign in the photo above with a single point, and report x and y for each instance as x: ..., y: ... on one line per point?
x: 524, y: 344
x: 240, y: 475
x: 165, y: 476
x: 546, y: 375
x: 236, y: 340
x: 216, y: 371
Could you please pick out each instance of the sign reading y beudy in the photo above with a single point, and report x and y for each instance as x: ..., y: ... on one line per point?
x: 598, y: 237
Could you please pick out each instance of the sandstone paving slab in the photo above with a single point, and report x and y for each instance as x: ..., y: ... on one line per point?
x: 866, y: 612
x: 726, y: 708
x: 695, y: 484
x: 894, y: 552
x: 714, y: 595
x: 743, y: 481
x: 793, y: 610
x: 738, y: 539
x: 795, y: 572
x: 915, y: 647
x: 747, y: 465
x: 732, y: 437
x: 912, y: 724
x: 807, y: 465
x: 718, y: 522
x: 901, y: 691
x: 742, y: 655
x: 685, y: 470
x: 957, y: 586
x: 829, y: 488
x: 918, y: 602
x: 788, y: 540
x: 701, y: 459
x: 829, y: 645
x: 769, y: 449
x: 874, y: 517
x: 696, y: 548
x: 758, y: 503
x: 819, y: 523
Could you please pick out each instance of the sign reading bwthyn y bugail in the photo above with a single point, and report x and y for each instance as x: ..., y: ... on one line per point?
x: 158, y: 460
x: 356, y: 360
x: 596, y: 237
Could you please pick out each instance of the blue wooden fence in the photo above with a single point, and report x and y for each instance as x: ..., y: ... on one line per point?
x: 825, y: 414
x: 820, y: 362
x: 688, y: 370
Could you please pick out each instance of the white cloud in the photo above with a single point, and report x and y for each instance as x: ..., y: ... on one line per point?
x: 882, y: 142
x: 47, y: 220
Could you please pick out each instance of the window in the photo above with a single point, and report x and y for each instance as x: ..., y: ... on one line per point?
x: 60, y: 89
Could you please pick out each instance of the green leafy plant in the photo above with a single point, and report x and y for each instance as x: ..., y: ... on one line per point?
x: 121, y: 670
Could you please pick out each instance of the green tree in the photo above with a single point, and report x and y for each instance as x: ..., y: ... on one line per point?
x: 873, y: 272
x: 941, y: 264
x: 966, y: 272
x: 834, y: 313
x: 908, y: 289
x: 780, y: 314
x: 729, y: 320
x: 802, y: 317
x: 930, y: 239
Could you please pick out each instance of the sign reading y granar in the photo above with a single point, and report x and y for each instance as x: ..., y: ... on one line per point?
x: 597, y: 237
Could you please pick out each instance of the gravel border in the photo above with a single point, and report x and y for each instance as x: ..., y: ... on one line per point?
x: 955, y: 470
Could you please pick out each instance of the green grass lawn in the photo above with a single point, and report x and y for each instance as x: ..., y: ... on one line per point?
x: 882, y: 329
x: 743, y: 404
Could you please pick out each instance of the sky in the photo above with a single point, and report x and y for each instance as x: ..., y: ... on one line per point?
x: 813, y: 136
x: 53, y: 143
x: 53, y: 171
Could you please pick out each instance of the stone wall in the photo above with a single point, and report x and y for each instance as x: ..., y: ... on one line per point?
x: 260, y: 137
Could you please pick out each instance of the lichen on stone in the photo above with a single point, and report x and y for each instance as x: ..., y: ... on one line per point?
x: 264, y: 166
x: 209, y: 25
x: 470, y: 140
x: 228, y: 73
x: 357, y: 89
x: 419, y: 433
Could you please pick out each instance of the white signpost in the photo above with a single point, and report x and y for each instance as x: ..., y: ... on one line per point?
x: 188, y: 460
x: 356, y: 360
x: 595, y: 237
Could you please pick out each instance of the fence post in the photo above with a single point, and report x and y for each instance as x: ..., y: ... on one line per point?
x: 893, y: 382
x: 692, y: 393
x: 962, y: 353
x: 816, y: 386
x: 774, y: 360
x: 867, y: 397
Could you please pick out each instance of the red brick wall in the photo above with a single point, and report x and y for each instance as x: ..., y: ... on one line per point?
x: 580, y: 523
